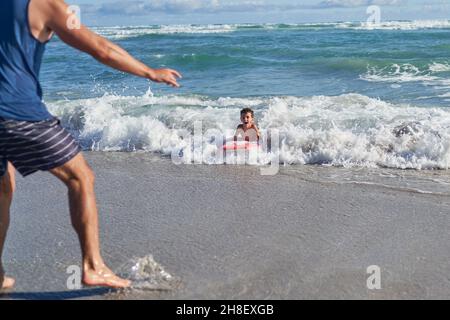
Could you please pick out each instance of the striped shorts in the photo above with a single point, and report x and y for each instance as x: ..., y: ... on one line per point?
x: 34, y: 146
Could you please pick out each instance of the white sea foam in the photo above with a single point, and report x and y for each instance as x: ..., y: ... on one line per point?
x: 123, y: 32
x: 147, y: 274
x: 397, y: 25
x: 347, y: 130
x: 431, y: 75
x: 403, y: 73
x: 439, y: 67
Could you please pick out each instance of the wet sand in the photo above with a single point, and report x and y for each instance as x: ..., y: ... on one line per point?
x: 226, y: 232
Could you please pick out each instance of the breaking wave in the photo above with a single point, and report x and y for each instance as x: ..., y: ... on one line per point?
x: 123, y: 32
x: 346, y: 130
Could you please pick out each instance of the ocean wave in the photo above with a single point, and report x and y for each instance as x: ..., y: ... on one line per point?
x: 398, y: 73
x: 439, y: 67
x: 397, y: 25
x: 124, y: 32
x: 384, y: 25
x: 428, y: 75
x: 347, y: 130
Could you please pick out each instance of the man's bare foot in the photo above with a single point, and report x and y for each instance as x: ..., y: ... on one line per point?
x: 104, y: 277
x: 6, y: 283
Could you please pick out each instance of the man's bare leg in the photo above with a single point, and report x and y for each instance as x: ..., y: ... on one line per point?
x: 7, y: 186
x: 79, y: 178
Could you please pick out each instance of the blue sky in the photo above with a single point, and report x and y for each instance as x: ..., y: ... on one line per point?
x: 139, y: 12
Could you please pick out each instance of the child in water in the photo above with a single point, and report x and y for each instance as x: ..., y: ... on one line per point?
x: 247, y: 131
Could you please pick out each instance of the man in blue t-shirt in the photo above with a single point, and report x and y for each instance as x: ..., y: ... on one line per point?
x: 31, y: 139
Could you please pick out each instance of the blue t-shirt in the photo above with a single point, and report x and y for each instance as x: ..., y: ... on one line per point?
x: 20, y: 62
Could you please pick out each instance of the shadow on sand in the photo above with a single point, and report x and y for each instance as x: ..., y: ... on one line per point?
x: 56, y: 295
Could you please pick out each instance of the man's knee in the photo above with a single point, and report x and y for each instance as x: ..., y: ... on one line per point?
x: 82, y: 178
x: 88, y: 175
x: 76, y: 173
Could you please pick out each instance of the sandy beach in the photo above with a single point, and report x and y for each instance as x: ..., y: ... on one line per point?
x: 226, y: 232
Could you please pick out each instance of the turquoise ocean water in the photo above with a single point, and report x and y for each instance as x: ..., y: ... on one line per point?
x: 344, y: 94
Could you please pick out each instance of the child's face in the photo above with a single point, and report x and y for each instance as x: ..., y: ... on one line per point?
x: 247, y: 119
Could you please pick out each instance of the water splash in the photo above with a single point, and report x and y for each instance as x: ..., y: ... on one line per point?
x: 147, y: 274
x: 346, y: 130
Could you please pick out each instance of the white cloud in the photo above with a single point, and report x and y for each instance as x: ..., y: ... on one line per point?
x: 180, y: 6
x: 146, y: 7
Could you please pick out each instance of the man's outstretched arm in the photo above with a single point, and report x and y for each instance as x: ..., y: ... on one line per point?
x: 55, y: 15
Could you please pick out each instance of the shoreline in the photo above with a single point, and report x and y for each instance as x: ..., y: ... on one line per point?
x: 228, y: 233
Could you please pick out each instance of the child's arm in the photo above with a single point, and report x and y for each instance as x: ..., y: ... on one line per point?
x: 258, y: 134
x: 236, y: 133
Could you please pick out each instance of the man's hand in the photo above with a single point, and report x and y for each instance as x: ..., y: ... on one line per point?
x: 167, y: 76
